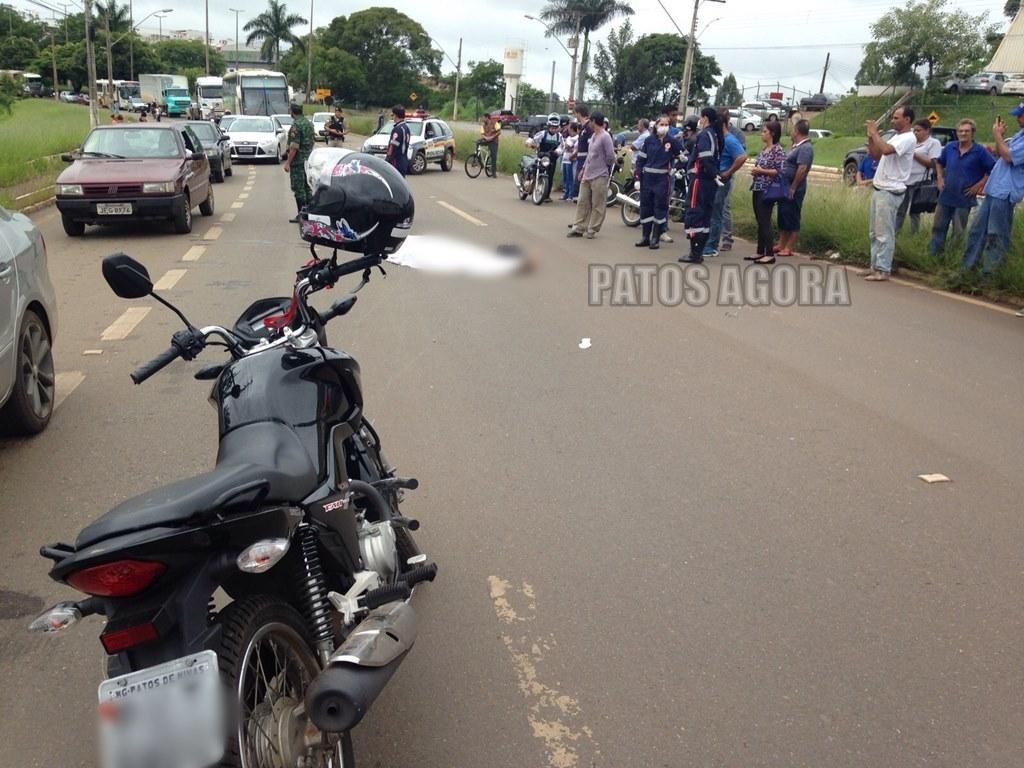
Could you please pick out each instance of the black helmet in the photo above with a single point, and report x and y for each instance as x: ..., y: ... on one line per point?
x: 366, y: 207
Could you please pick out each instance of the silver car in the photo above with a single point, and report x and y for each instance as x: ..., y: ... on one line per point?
x: 28, y: 321
x: 985, y: 82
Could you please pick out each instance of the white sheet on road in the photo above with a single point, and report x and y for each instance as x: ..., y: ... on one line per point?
x: 444, y: 255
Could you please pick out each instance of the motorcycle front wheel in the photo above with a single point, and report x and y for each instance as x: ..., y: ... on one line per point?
x: 541, y: 188
x: 267, y: 664
x: 631, y: 213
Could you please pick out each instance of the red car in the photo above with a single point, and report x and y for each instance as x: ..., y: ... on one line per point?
x: 132, y: 172
x: 507, y: 117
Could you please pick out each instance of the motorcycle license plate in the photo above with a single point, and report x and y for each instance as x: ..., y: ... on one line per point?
x: 167, y: 716
x: 114, y: 209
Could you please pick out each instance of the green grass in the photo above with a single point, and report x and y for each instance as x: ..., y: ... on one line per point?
x: 36, y: 130
x: 835, y: 220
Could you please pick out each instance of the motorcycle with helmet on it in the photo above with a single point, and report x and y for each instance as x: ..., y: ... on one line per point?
x: 297, y: 528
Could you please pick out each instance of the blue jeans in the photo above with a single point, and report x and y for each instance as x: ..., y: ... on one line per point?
x: 944, y: 214
x: 568, y: 179
x: 882, y: 228
x: 717, y: 216
x: 991, y: 232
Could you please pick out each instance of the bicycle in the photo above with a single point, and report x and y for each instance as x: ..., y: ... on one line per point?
x: 478, y: 161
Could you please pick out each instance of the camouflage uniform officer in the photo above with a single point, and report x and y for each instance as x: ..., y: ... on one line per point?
x: 300, y: 144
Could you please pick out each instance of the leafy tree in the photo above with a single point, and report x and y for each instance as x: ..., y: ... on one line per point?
x: 485, y: 81
x: 608, y: 75
x: 17, y: 52
x: 9, y: 93
x: 13, y: 24
x: 271, y: 28
x: 175, y: 56
x: 923, y: 34
x: 729, y: 92
x: 532, y: 100
x: 333, y: 68
x: 563, y: 16
x: 118, y: 15
x: 1011, y: 8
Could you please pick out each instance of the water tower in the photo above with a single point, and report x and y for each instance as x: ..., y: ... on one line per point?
x: 513, y: 72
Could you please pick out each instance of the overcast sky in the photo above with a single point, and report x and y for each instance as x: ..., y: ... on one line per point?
x: 757, y: 41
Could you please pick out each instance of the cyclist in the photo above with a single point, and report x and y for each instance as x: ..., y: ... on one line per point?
x: 549, y: 142
x: 490, y: 133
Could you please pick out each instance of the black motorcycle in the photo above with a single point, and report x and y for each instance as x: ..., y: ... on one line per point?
x: 298, y: 525
x: 533, y: 179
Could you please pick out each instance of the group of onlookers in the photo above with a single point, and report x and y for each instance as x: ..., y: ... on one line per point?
x: 902, y: 168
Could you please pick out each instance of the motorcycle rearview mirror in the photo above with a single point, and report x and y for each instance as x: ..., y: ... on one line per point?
x: 130, y: 280
x: 126, y: 277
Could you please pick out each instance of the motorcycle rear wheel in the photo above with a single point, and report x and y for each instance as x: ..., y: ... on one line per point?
x: 631, y: 213
x: 267, y: 663
x: 611, y: 196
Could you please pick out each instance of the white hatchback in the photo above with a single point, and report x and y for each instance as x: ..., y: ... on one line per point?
x: 254, y: 137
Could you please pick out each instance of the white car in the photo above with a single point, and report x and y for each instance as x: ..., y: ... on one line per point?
x: 744, y: 120
x: 1014, y: 85
x: 430, y: 141
x: 257, y: 138
x: 285, y: 120
x: 320, y: 160
x: 28, y: 322
x: 136, y: 104
x: 67, y: 96
x: 819, y: 133
x: 320, y: 120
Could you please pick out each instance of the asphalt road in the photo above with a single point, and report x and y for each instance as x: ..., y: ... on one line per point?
x: 700, y: 541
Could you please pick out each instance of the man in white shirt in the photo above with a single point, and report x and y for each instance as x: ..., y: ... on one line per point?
x: 895, y: 158
x: 926, y: 152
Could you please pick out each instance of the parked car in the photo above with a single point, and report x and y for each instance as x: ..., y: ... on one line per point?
x: 28, y: 324
x: 744, y: 120
x: 67, y: 97
x: 766, y: 110
x: 136, y: 104
x: 226, y: 120
x: 816, y: 103
x: 216, y: 146
x: 985, y: 82
x: 507, y: 117
x: 819, y: 133
x: 255, y: 137
x: 320, y: 120
x: 1014, y: 85
x: 285, y: 120
x: 431, y: 141
x: 953, y: 83
x: 135, y: 172
x: 852, y: 160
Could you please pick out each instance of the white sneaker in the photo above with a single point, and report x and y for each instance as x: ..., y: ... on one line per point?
x: 666, y: 238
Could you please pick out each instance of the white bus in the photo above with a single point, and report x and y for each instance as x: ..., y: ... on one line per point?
x: 255, y: 92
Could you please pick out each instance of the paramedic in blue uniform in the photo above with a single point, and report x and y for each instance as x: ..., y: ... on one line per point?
x: 702, y: 172
x: 654, y: 166
x: 398, y: 141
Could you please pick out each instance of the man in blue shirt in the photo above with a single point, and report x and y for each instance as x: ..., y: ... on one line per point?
x: 961, y: 172
x: 732, y: 159
x: 1005, y: 188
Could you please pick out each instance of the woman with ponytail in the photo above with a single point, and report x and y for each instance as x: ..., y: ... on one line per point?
x: 702, y: 173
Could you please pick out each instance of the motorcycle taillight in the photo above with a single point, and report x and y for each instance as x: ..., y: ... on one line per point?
x: 121, y: 578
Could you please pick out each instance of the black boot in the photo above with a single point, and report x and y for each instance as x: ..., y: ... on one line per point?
x: 697, y: 242
x: 646, y: 239
x: 655, y: 243
x: 298, y: 210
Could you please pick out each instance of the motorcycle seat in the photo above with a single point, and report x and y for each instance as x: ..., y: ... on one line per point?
x: 263, y: 462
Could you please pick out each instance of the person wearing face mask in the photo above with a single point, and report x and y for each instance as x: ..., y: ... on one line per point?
x: 654, y: 167
x: 702, y: 168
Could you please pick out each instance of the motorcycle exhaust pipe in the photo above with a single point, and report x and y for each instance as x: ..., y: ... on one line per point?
x: 342, y: 694
x: 519, y: 184
x: 627, y: 200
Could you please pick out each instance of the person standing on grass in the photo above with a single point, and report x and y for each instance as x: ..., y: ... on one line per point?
x: 732, y: 159
x: 926, y: 152
x: 960, y: 174
x: 594, y: 181
x: 766, y: 168
x: 895, y: 158
x: 702, y: 171
x: 797, y: 165
x: 990, y: 231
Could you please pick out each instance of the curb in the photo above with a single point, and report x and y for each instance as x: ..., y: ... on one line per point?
x: 38, y: 206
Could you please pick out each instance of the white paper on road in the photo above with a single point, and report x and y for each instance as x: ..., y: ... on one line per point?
x: 448, y: 256
x: 585, y: 342
x: 935, y: 477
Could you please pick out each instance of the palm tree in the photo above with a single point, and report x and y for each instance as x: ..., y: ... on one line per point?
x: 273, y: 27
x: 117, y: 14
x: 562, y: 17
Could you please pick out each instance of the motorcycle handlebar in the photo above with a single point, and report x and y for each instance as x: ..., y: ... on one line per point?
x: 159, y: 362
x: 328, y: 275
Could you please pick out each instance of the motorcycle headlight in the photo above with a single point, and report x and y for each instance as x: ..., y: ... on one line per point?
x: 545, y: 161
x: 155, y: 188
x: 69, y: 189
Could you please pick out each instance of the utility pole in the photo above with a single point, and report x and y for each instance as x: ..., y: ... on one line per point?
x: 131, y: 41
x: 691, y: 49
x: 458, y: 77
x: 109, y: 88
x: 824, y: 72
x: 206, y: 38
x: 551, y: 91
x: 575, y: 42
x: 53, y: 61
x: 90, y: 62
x: 309, y: 55
x: 236, y: 11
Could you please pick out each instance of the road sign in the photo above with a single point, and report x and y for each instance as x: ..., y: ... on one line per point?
x: 323, y: 93
x: 413, y: 96
x: 933, y: 118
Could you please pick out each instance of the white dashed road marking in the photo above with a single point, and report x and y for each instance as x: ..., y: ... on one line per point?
x: 243, y: 196
x: 227, y: 217
x: 169, y: 280
x: 125, y: 324
x: 213, y: 233
x: 65, y: 383
x: 463, y: 214
x: 88, y: 352
x: 194, y: 253
x: 238, y: 205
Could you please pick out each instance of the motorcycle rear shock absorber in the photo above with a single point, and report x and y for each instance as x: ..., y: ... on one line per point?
x: 314, y: 593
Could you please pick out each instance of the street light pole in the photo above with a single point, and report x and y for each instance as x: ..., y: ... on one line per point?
x: 691, y: 45
x: 53, y: 61
x: 551, y: 92
x: 236, y: 11
x: 575, y: 51
x: 458, y: 76
x: 131, y: 42
x: 160, y: 34
x: 90, y: 63
x: 206, y: 37
x: 567, y: 52
x: 309, y: 55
